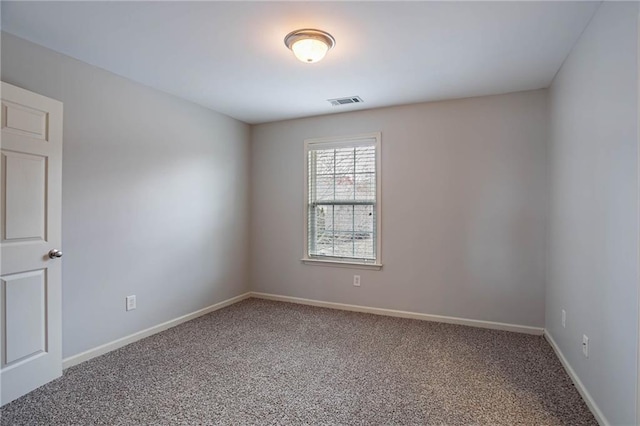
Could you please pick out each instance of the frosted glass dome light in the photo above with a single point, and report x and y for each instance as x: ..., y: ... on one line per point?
x: 309, y: 45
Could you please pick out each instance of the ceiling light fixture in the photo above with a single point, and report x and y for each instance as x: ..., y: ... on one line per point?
x: 309, y: 45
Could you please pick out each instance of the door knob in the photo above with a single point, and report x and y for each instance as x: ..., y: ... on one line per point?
x: 55, y: 253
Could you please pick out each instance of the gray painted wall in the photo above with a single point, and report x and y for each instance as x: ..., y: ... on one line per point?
x: 593, y: 251
x: 154, y: 203
x: 464, y: 195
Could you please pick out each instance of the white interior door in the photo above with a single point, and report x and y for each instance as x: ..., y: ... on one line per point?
x: 30, y: 209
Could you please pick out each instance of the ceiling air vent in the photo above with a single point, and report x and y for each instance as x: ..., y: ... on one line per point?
x: 345, y: 101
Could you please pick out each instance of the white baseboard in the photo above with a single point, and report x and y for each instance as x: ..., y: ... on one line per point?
x: 602, y: 420
x: 108, y: 347
x: 404, y: 314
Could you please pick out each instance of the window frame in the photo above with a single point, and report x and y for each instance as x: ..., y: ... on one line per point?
x: 344, y: 142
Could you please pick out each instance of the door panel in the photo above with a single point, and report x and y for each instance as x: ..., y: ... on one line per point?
x: 30, y: 209
x: 23, y: 120
x: 25, y: 313
x: 25, y: 195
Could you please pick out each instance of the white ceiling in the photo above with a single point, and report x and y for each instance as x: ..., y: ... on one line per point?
x: 230, y: 56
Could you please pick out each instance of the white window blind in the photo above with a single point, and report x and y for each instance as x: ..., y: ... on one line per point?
x: 342, y: 205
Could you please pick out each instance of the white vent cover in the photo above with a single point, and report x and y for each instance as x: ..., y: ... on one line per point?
x: 345, y: 101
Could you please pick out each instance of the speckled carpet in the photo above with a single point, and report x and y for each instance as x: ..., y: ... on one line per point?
x: 262, y: 362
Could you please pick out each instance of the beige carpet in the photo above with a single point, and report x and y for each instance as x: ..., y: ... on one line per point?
x: 266, y: 363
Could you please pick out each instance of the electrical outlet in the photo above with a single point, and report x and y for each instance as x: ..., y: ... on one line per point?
x: 564, y: 318
x: 356, y: 280
x: 585, y: 345
x: 131, y: 303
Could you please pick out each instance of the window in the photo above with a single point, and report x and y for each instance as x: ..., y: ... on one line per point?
x: 342, y: 201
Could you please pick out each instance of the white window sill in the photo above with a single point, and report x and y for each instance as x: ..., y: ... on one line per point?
x: 342, y: 264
